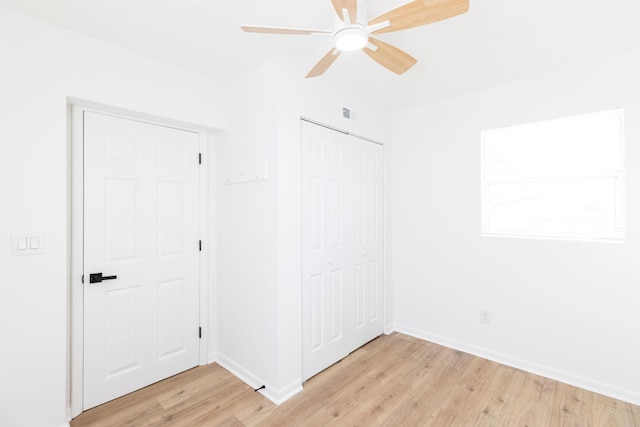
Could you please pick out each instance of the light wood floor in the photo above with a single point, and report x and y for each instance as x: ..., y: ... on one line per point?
x: 394, y: 380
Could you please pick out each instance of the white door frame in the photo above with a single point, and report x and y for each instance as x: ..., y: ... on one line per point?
x: 76, y: 239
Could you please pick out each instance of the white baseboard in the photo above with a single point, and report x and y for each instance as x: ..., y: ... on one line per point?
x: 284, y: 394
x: 610, y: 390
x: 212, y: 358
x: 277, y: 396
x: 243, y: 374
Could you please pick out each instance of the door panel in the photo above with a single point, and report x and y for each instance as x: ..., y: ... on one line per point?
x: 171, y: 219
x: 368, y: 247
x: 336, y: 304
x: 341, y: 184
x: 122, y: 344
x: 121, y: 220
x: 141, y: 225
x: 360, y: 295
x: 325, y: 272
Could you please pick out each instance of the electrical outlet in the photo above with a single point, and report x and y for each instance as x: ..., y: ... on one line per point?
x: 485, y: 317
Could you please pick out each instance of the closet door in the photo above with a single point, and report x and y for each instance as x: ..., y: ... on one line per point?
x: 342, y: 245
x: 367, y: 247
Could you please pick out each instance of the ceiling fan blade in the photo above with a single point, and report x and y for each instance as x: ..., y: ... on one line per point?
x: 418, y: 13
x: 324, y: 63
x: 282, y: 30
x: 350, y: 5
x: 390, y: 56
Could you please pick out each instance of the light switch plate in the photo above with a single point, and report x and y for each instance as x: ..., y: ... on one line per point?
x: 27, y: 243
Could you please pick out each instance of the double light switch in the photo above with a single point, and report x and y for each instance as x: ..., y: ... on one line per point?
x: 27, y: 243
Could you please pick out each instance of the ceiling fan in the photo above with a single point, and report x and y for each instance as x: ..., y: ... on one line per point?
x: 353, y: 32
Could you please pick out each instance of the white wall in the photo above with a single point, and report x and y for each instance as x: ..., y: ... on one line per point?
x: 247, y: 231
x: 40, y: 66
x: 259, y: 223
x: 568, y: 310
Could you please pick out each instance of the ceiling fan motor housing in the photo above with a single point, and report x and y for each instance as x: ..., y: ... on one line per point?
x: 351, y: 38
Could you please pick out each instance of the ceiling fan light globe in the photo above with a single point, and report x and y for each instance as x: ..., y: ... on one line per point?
x: 351, y: 39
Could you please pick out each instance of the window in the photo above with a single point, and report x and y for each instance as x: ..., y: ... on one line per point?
x: 555, y: 179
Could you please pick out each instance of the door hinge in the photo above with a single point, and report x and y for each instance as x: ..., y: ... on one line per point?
x: 200, y: 245
x: 200, y: 332
x: 83, y: 278
x: 199, y: 158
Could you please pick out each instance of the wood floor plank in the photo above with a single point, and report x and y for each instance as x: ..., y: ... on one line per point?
x: 252, y: 408
x: 538, y: 389
x: 337, y: 390
x: 395, y: 381
x: 139, y: 401
x: 382, y: 403
x: 635, y: 411
x: 423, y: 402
x: 206, y: 406
x: 572, y: 406
x: 187, y: 393
x: 600, y: 399
x: 501, y: 399
x: 444, y: 418
x: 530, y: 413
x: 231, y: 421
x: 609, y: 416
x: 466, y: 398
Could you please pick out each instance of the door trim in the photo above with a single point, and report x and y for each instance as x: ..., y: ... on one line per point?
x: 75, y: 377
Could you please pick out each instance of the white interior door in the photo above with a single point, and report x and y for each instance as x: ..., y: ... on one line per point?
x: 368, y: 247
x: 141, y: 232
x: 342, y: 245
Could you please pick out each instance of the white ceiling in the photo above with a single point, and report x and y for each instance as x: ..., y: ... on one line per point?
x: 495, y: 42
